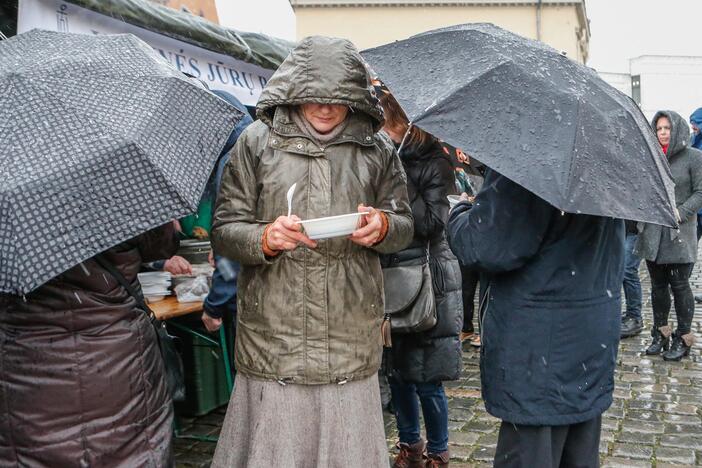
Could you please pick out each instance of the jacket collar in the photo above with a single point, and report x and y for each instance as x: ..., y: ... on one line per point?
x: 289, y: 137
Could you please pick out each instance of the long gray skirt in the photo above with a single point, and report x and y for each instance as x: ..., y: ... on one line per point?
x: 302, y: 426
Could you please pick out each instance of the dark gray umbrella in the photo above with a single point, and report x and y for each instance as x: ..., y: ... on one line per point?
x: 100, y: 140
x: 535, y: 116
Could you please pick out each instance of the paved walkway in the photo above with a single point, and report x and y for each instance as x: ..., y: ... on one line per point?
x: 655, y: 421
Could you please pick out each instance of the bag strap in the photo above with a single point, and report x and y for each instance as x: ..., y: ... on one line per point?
x: 139, y: 298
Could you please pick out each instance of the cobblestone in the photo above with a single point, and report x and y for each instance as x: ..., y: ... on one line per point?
x: 637, y: 438
x: 461, y: 453
x: 616, y: 462
x: 463, y: 438
x: 675, y: 455
x: 632, y: 451
x: 682, y: 440
x: 655, y: 420
x: 682, y: 419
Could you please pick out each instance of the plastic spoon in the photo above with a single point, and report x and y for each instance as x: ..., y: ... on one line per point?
x: 289, y: 196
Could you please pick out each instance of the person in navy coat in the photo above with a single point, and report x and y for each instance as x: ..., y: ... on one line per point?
x: 551, y: 324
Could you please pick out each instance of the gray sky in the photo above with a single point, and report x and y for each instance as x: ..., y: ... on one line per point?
x: 271, y: 17
x: 623, y: 29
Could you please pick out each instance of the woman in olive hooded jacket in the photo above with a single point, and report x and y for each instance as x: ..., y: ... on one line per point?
x: 308, y: 341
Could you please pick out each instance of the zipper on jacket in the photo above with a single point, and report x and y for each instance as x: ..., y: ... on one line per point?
x: 386, y: 331
x: 283, y: 381
x: 481, y: 314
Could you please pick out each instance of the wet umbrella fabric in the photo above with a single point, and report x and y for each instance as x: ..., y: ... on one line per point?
x: 101, y: 140
x: 535, y: 116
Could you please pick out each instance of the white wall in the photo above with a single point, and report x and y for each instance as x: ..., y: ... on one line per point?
x: 620, y: 81
x: 669, y: 83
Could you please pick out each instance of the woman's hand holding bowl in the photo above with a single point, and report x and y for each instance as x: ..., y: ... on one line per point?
x: 370, y: 227
x: 285, y: 234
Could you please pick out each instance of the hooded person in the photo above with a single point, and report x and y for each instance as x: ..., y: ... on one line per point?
x: 670, y: 254
x: 696, y: 123
x: 696, y: 142
x: 308, y: 335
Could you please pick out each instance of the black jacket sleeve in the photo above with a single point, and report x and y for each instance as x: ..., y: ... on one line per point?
x: 430, y: 207
x: 503, y: 230
x: 158, y: 243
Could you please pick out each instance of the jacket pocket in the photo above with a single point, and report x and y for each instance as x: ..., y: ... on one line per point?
x: 520, y: 339
x: 585, y: 339
x: 247, y: 295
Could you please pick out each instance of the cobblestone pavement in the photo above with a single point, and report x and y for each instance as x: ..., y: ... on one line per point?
x: 655, y: 420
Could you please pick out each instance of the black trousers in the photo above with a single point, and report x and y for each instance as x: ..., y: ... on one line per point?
x: 469, y: 283
x: 673, y: 277
x: 571, y: 446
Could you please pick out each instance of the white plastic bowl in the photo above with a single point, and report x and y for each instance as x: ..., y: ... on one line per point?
x: 331, y: 226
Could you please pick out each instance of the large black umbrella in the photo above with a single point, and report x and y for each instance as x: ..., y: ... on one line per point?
x: 535, y: 116
x: 100, y: 140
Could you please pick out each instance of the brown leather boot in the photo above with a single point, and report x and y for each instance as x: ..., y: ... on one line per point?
x: 437, y: 460
x: 410, y: 456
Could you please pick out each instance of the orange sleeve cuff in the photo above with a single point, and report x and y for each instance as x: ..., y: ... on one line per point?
x: 383, y: 228
x: 267, y: 251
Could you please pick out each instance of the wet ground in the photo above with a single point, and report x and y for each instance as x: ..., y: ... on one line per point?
x: 655, y: 420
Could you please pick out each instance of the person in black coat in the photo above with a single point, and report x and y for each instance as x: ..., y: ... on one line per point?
x: 419, y: 362
x: 551, y: 320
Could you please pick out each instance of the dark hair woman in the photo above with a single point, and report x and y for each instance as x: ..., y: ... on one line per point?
x: 671, y: 253
x: 419, y: 362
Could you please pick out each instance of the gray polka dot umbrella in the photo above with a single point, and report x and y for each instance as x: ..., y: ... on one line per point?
x: 100, y: 140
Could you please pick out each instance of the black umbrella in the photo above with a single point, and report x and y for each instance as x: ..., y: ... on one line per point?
x: 535, y: 116
x: 100, y: 140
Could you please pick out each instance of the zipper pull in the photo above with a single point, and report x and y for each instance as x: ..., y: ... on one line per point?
x: 385, y: 330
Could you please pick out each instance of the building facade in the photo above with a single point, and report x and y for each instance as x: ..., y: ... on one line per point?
x: 666, y: 82
x: 658, y: 82
x: 368, y: 23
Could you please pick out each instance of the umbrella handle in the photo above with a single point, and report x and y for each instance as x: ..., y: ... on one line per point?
x: 402, y: 143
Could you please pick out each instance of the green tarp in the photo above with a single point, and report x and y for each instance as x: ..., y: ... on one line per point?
x: 258, y: 49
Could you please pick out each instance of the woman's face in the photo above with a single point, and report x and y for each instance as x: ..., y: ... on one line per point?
x: 324, y: 117
x: 663, y: 131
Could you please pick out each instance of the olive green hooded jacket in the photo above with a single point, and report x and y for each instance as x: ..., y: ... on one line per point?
x: 311, y: 316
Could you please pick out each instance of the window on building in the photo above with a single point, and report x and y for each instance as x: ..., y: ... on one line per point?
x: 636, y: 89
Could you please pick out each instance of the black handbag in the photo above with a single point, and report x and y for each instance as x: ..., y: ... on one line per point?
x: 175, y: 374
x: 410, y: 305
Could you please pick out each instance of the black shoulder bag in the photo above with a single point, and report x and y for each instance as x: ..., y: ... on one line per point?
x: 409, y: 296
x: 175, y: 375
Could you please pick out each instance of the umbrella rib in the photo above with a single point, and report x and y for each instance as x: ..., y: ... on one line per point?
x: 572, y: 152
x: 428, y: 110
x: 171, y: 185
x: 640, y: 114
